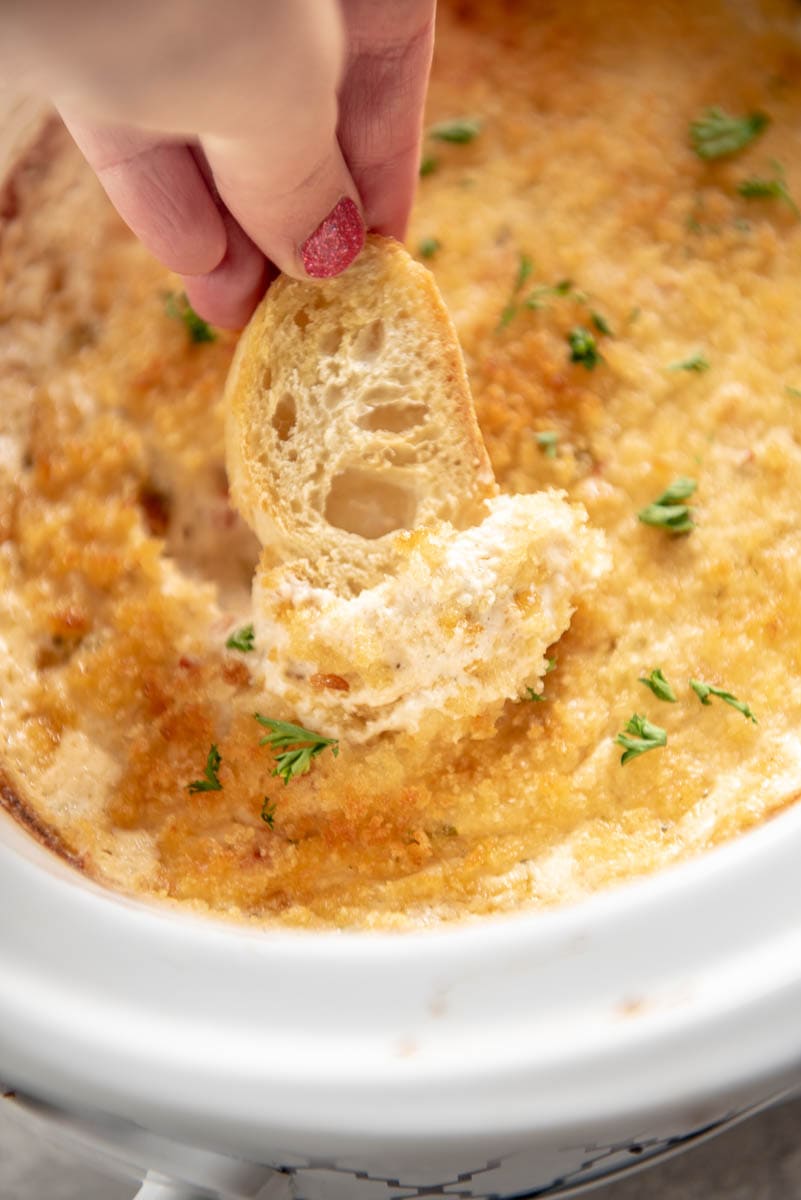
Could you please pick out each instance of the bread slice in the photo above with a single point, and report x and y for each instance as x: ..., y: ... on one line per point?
x: 349, y: 418
x: 397, y: 592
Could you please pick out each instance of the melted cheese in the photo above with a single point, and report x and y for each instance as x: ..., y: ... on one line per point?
x: 436, y: 648
x: 112, y: 429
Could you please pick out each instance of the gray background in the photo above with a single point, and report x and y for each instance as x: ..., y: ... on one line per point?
x: 759, y: 1160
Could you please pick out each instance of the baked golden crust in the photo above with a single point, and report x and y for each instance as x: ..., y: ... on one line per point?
x: 115, y: 676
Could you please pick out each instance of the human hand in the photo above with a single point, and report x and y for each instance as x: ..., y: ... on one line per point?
x: 237, y: 138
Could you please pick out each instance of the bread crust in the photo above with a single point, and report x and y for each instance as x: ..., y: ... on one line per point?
x: 333, y: 420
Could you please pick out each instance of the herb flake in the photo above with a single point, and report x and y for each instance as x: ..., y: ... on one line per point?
x: 601, y: 324
x: 210, y: 781
x: 769, y: 189
x: 296, y: 746
x: 179, y: 309
x: 660, y: 687
x: 547, y: 442
x: 639, y: 736
x: 428, y: 247
x: 242, y: 639
x: 704, y: 690
x: 668, y: 510
x: 717, y: 134
x: 584, y: 348
x: 525, y: 267
x: 535, y: 697
x: 458, y: 131
x: 428, y: 165
x: 268, y: 812
x: 696, y: 362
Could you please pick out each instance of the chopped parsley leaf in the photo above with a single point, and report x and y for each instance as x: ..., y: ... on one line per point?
x: 704, y: 690
x: 210, y: 781
x: 696, y: 362
x: 536, y: 298
x: 459, y: 131
x: 428, y: 165
x: 769, y: 189
x: 717, y: 134
x: 243, y: 639
x: 524, y: 269
x: 297, y: 746
x: 550, y: 665
x: 547, y: 442
x: 640, y: 736
x: 583, y: 348
x: 268, y: 812
x: 659, y: 685
x: 536, y: 697
x: 601, y: 324
x: 179, y: 308
x: 668, y: 511
x: 429, y: 247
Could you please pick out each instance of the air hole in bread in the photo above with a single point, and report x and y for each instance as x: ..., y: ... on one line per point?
x: 267, y: 378
x: 369, y: 340
x: 402, y: 456
x: 333, y: 395
x: 395, y: 418
x: 301, y: 318
x: 362, y: 503
x: 284, y: 417
x: 330, y: 341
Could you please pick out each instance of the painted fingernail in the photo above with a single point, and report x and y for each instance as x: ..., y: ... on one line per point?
x: 335, y: 242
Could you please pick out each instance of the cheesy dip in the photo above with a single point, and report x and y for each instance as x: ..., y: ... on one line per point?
x: 608, y: 202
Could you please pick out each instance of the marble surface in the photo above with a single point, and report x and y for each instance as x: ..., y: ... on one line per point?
x: 759, y: 1160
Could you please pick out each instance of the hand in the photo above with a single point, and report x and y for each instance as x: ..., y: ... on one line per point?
x: 233, y: 137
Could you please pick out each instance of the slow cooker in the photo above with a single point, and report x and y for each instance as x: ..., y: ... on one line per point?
x: 529, y: 1055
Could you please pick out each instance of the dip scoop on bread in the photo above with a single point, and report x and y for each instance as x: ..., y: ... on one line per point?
x: 397, y: 590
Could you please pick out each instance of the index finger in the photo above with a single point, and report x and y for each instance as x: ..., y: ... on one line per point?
x: 381, y: 104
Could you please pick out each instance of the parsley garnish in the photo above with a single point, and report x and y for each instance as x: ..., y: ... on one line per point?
x: 696, y: 362
x: 717, y: 134
x: 668, y: 511
x: 640, y: 736
x: 429, y: 247
x: 179, y: 308
x: 210, y: 781
x: 243, y: 639
x: 659, y: 685
x: 547, y: 442
x: 584, y: 348
x: 428, y: 165
x: 536, y: 298
x: 601, y: 324
x: 792, y: 391
x: 704, y: 690
x: 298, y: 746
x: 524, y: 268
x: 536, y: 697
x: 769, y: 189
x: 550, y: 665
x: 268, y: 812
x: 459, y: 131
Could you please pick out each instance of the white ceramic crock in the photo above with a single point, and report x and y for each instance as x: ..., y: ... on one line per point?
x: 519, y: 1056
x: 531, y: 1055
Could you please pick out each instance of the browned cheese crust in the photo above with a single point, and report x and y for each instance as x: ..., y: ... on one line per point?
x: 123, y: 568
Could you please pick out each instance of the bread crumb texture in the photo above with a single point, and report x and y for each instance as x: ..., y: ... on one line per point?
x: 124, y: 569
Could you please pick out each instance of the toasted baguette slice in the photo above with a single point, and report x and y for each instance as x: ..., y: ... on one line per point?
x: 349, y: 418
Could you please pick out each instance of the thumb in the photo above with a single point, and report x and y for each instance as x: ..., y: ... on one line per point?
x: 284, y: 177
x: 298, y: 204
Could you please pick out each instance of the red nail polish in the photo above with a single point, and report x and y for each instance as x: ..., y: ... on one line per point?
x: 335, y: 242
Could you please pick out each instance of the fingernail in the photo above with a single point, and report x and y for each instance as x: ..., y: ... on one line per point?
x: 335, y: 242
